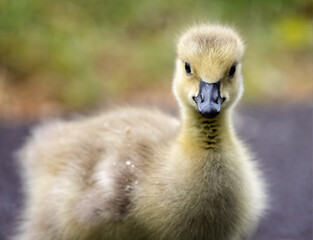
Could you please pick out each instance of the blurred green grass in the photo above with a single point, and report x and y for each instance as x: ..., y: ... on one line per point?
x: 78, y: 53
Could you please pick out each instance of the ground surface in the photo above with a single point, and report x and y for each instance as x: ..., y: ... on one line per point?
x: 281, y: 137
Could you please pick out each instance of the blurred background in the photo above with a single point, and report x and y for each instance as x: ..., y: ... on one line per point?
x: 73, y: 55
x: 59, y: 58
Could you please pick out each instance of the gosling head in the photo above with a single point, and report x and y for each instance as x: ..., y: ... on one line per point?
x: 208, y: 69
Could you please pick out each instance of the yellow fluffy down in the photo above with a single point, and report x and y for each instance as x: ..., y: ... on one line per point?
x: 141, y: 174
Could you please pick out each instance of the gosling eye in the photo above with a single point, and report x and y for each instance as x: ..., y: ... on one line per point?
x: 232, y: 71
x: 188, y: 68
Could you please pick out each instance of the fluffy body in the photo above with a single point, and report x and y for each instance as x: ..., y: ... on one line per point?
x: 139, y: 174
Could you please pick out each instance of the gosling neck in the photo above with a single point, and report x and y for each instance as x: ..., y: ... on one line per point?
x: 203, y: 133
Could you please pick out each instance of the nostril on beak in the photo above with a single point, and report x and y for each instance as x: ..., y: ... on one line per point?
x: 202, y: 98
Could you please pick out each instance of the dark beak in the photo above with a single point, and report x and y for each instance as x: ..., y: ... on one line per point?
x: 209, y: 100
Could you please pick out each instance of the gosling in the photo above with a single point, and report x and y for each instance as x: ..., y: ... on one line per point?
x: 137, y: 174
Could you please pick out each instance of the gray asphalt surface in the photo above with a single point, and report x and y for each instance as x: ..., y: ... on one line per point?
x: 281, y: 137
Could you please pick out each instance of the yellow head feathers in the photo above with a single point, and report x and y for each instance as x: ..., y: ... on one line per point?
x: 208, y: 54
x: 212, y: 48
